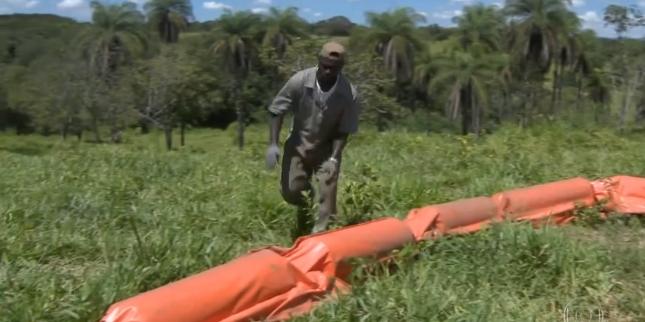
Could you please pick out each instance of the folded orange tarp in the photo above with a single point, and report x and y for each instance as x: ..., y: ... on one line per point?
x: 276, y: 283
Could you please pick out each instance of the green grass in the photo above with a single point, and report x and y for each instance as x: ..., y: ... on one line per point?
x: 85, y: 225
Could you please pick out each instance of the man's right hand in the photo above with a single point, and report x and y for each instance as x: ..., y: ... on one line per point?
x: 273, y: 155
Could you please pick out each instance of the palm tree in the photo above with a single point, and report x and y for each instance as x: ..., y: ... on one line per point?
x: 169, y: 17
x: 235, y: 43
x: 539, y: 26
x: 569, y: 49
x: 599, y: 90
x: 281, y: 27
x: 114, y: 35
x: 584, y: 43
x: 393, y: 35
x: 480, y: 24
x: 466, y: 77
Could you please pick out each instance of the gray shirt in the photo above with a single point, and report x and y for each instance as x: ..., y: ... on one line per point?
x: 317, y: 122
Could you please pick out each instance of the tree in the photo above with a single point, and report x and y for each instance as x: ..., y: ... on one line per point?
x: 393, y: 35
x: 281, y: 27
x: 622, y: 18
x: 235, y: 42
x: 466, y: 77
x: 164, y: 79
x: 169, y: 17
x: 114, y: 36
x: 536, y: 40
x: 569, y: 47
x: 480, y: 24
x: 538, y: 28
x: 630, y: 71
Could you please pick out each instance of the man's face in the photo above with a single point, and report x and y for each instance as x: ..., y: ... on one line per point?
x: 328, y: 69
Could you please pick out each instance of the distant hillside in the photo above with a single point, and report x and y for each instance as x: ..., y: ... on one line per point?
x: 334, y: 26
x: 26, y: 36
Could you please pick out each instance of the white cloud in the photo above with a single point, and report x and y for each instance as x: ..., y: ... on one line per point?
x: 265, y: 2
x: 9, y: 5
x: 4, y: 10
x: 259, y: 10
x: 317, y: 14
x: 448, y: 14
x: 70, y: 4
x: 306, y: 10
x: 498, y: 4
x: 213, y: 5
x: 423, y: 13
x: 463, y: 1
x: 642, y: 4
x: 590, y: 17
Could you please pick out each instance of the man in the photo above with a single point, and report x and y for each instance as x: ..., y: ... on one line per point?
x: 325, y: 112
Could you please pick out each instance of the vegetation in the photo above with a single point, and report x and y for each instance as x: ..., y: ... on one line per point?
x: 87, y: 224
x: 509, y: 97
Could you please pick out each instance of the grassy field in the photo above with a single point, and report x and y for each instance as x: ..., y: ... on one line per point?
x: 84, y: 225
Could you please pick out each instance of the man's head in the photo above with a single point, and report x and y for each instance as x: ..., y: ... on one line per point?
x: 331, y: 60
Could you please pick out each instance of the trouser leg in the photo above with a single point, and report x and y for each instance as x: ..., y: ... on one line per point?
x: 296, y: 188
x: 327, y: 200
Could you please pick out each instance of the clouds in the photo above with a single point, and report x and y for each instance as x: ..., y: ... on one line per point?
x: 259, y: 10
x: 263, y: 2
x: 70, y: 4
x: 9, y: 5
x: 447, y: 14
x: 590, y: 17
x: 213, y: 5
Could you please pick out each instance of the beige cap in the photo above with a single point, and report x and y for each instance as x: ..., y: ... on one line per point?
x: 333, y: 50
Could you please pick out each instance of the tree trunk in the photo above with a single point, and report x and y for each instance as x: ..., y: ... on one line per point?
x: 168, y: 135
x: 466, y: 111
x: 115, y: 135
x: 579, y: 94
x: 554, y: 94
x: 630, y: 87
x: 240, y: 126
x: 95, y: 127
x: 145, y: 126
x: 475, y: 110
x: 182, y: 133
x: 64, y: 131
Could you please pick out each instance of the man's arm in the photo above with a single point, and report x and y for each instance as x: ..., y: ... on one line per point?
x: 275, y: 125
x: 338, y: 145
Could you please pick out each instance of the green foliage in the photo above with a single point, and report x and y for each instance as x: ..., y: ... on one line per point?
x: 168, y: 17
x: 114, y: 35
x: 393, y: 35
x: 85, y: 225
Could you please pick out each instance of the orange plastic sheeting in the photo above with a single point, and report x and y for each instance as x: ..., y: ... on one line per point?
x: 277, y: 283
x: 556, y: 200
x: 623, y: 194
x: 273, y: 283
x: 251, y: 286
x: 461, y: 216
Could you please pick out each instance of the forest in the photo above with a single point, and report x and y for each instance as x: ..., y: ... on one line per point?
x: 524, y: 63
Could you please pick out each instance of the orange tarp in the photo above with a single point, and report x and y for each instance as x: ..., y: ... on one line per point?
x: 276, y: 283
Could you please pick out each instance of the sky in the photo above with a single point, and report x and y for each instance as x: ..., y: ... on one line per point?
x: 439, y: 12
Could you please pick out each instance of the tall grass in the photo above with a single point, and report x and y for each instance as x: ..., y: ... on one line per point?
x: 84, y: 225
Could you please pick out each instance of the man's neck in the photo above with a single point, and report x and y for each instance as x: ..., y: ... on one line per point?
x: 326, y: 86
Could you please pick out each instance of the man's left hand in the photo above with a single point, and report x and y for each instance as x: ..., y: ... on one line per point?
x: 330, y: 169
